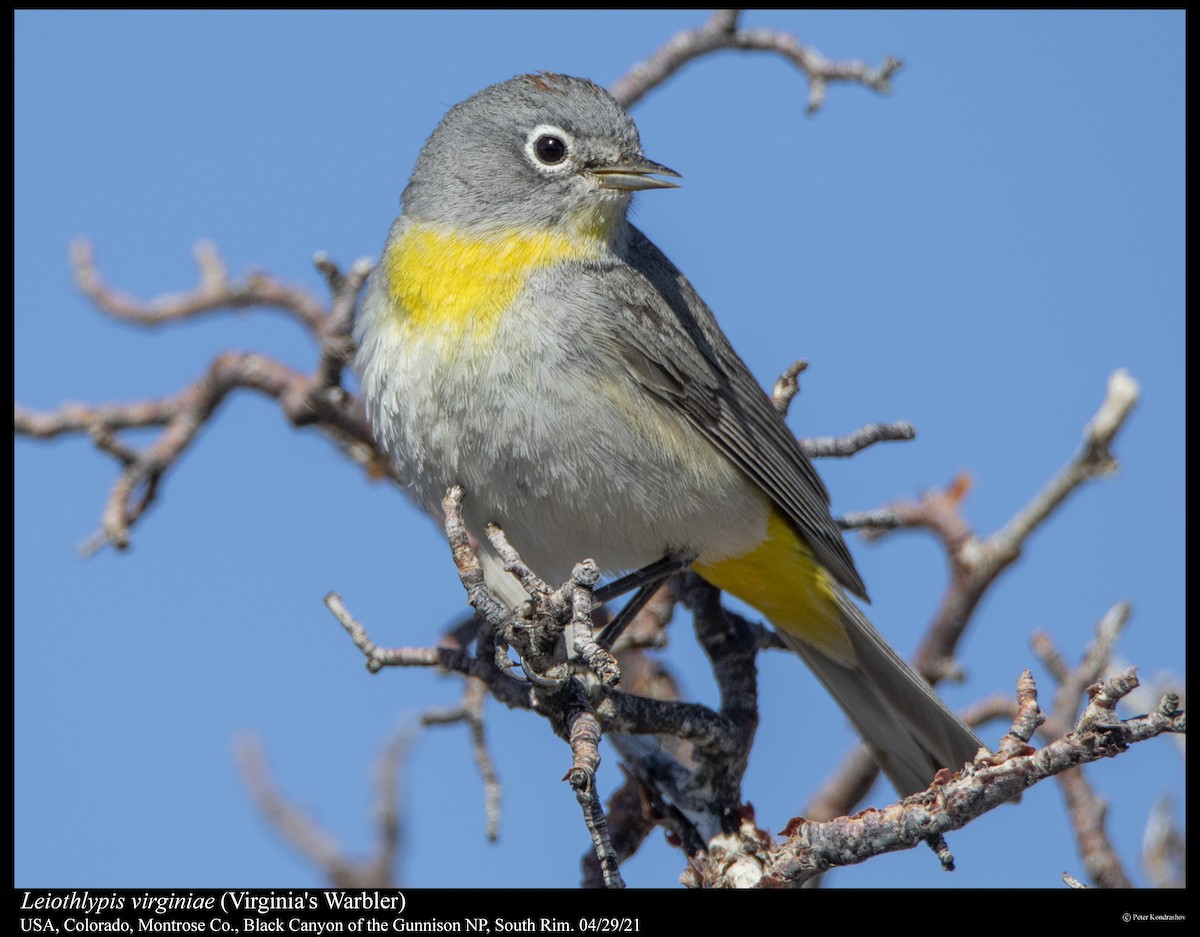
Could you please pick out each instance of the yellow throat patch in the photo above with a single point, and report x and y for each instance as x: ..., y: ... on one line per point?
x: 451, y: 283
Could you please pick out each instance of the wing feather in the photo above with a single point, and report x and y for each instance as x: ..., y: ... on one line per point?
x: 671, y: 344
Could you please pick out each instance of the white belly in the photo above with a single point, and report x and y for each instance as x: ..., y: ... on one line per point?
x: 557, y: 445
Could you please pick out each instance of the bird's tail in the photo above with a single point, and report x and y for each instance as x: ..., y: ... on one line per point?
x: 911, y: 732
x: 909, y: 729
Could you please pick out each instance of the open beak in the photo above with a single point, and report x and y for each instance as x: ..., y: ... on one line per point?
x: 631, y: 174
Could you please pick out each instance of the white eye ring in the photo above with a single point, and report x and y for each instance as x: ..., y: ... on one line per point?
x: 549, y: 148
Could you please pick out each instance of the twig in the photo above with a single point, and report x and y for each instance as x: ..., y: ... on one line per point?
x: 470, y: 709
x: 631, y: 819
x: 1072, y: 683
x: 584, y: 734
x: 976, y: 562
x: 845, y: 446
x: 1164, y: 852
x: 214, y: 292
x: 306, y: 399
x: 723, y: 32
x: 599, y: 661
x: 1086, y: 809
x: 452, y: 659
x: 787, y: 385
x: 306, y: 835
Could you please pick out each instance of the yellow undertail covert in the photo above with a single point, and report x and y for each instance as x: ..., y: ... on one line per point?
x: 781, y: 579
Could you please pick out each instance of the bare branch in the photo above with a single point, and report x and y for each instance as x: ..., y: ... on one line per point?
x: 537, y: 637
x: 870, y: 521
x: 315, y: 399
x: 1097, y: 658
x: 1088, y: 815
x: 215, y: 291
x: 975, y: 563
x: 844, y: 446
x: 1094, y: 460
x: 723, y: 32
x: 530, y: 582
x: 1087, y: 811
x: 306, y: 835
x: 1164, y: 853
x: 447, y: 658
x: 470, y: 710
x: 631, y: 818
x: 599, y: 661
x: 955, y: 799
x: 847, y: 786
x: 995, y: 707
x: 787, y: 385
x: 584, y: 732
x: 1029, y: 717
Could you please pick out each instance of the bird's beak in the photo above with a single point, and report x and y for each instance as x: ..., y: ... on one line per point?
x: 632, y: 173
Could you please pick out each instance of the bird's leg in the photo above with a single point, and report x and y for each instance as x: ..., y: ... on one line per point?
x: 645, y: 581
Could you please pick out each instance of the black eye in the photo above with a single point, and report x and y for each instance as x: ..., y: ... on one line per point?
x: 550, y: 150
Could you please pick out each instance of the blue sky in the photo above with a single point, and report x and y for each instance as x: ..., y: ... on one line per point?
x: 974, y: 253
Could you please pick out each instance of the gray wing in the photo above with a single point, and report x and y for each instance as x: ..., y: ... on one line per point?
x: 671, y: 344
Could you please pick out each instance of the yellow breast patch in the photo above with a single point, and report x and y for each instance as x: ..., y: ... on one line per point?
x: 450, y: 283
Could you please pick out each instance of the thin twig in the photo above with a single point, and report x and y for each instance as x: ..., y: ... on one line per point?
x: 1087, y: 811
x: 722, y: 31
x: 312, y: 842
x: 470, y: 709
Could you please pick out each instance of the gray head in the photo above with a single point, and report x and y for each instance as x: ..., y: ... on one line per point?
x: 534, y: 151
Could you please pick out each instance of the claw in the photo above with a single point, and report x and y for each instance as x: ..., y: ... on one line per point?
x: 537, y: 679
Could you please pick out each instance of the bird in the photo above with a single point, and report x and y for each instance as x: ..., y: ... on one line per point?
x: 520, y: 337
